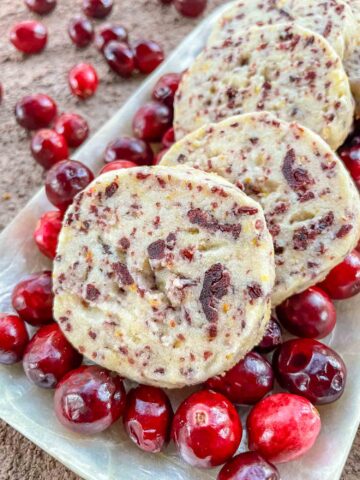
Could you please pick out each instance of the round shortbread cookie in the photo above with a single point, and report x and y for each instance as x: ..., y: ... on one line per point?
x: 284, y: 68
x: 311, y: 205
x: 164, y: 275
x: 352, y: 61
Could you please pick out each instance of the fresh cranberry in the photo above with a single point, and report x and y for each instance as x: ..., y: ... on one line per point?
x: 350, y: 155
x: 117, y: 165
x: 49, y: 356
x: 168, y: 138
x: 108, y: 33
x: 165, y: 88
x: 310, y: 369
x: 309, y: 314
x: 32, y: 298
x: 35, y: 111
x: 73, y: 127
x: 129, y: 148
x: 120, y: 58
x: 13, y: 338
x: 48, y: 147
x: 41, y: 7
x: 97, y: 8
x: 148, y: 55
x: 190, y: 8
x: 344, y: 280
x: 147, y: 418
x: 159, y: 156
x: 83, y: 80
x: 29, y: 36
x: 81, y: 31
x: 272, y: 337
x: 248, y: 382
x: 65, y: 180
x: 282, y: 427
x: 206, y: 429
x: 90, y: 399
x: 47, y: 232
x: 248, y: 466
x: 151, y: 121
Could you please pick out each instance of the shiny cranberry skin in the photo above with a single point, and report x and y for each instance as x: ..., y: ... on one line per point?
x: 151, y: 121
x: 48, y: 147
x: 117, y: 165
x: 108, y: 33
x: 73, y: 127
x: 42, y: 7
x: 147, y: 418
x: 35, y: 111
x: 13, y: 339
x: 168, y: 138
x: 49, y: 356
x: 190, y: 8
x: 120, y: 58
x: 206, y: 429
x: 248, y: 382
x: 272, y: 337
x: 32, y: 298
x: 282, y: 427
x: 65, y: 180
x: 29, y: 36
x: 47, y: 232
x: 148, y: 55
x: 97, y: 8
x: 310, y: 369
x: 81, y: 31
x: 129, y: 148
x: 350, y: 155
x: 248, y: 466
x: 344, y: 280
x: 83, y: 80
x: 89, y: 399
x: 166, y: 87
x: 309, y: 314
x: 159, y: 156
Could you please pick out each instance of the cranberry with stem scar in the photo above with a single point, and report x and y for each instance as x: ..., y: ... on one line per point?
x: 120, y: 58
x: 41, y: 7
x: 29, y: 36
x: 151, y: 121
x: 117, y: 165
x: 13, y: 338
x: 81, y: 31
x: 272, y: 337
x: 166, y: 87
x: 48, y: 148
x: 83, y: 80
x: 35, y: 111
x: 73, y: 127
x: 47, y: 232
x: 248, y: 466
x: 108, y: 33
x: 344, y: 280
x: 129, y: 148
x: 97, y: 8
x: 148, y: 55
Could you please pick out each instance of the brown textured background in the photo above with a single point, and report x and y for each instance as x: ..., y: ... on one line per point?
x: 20, y: 177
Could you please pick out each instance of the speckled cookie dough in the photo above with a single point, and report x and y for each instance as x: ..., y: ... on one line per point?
x: 284, y: 68
x: 164, y: 274
x: 311, y: 205
x: 352, y: 61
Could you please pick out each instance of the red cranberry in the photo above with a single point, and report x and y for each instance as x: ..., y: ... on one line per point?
x: 13, y: 339
x: 282, y: 427
x: 344, y: 280
x: 81, y: 31
x: 117, y: 165
x: 49, y: 356
x: 29, y: 36
x: 65, y: 180
x: 151, y: 121
x: 190, y: 8
x: 47, y: 232
x: 120, y: 58
x: 32, y: 298
x: 35, y: 111
x: 147, y: 418
x: 148, y: 55
x: 248, y: 466
x: 246, y: 383
x: 159, y: 156
x: 97, y: 8
x: 83, y: 80
x: 309, y: 314
x: 350, y: 155
x: 206, y: 429
x: 168, y: 138
x: 129, y: 148
x: 165, y: 88
x: 90, y: 399
x: 48, y: 147
x: 108, y: 33
x: 73, y: 127
x: 310, y: 369
x: 272, y: 337
x: 41, y: 6
x: 165, y: 2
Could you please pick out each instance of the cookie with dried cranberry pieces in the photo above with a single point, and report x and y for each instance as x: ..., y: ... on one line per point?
x: 311, y: 205
x: 164, y: 274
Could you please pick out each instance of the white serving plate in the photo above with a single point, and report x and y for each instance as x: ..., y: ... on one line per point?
x: 110, y: 456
